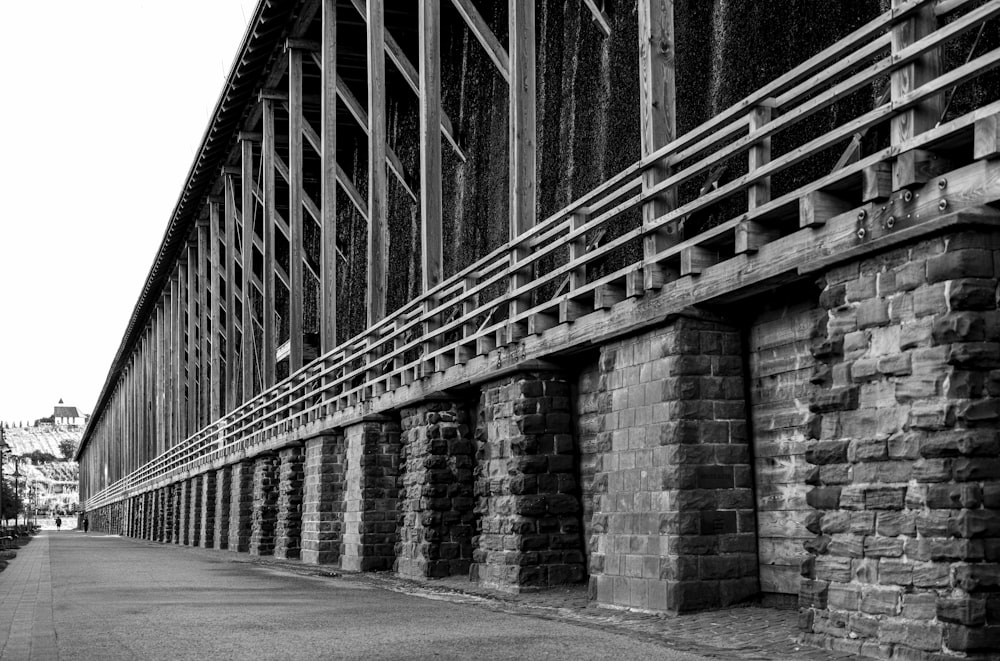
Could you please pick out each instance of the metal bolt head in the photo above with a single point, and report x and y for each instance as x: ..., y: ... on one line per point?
x: 862, y: 214
x: 942, y: 205
x: 890, y: 221
x: 861, y: 233
x: 942, y: 183
x: 907, y: 195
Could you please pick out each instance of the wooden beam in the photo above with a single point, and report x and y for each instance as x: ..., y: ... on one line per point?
x: 600, y: 18
x: 521, y: 34
x: 328, y: 155
x: 377, y: 185
x: 190, y: 344
x: 484, y: 35
x: 657, y: 112
x: 216, y: 378
x: 296, y: 290
x: 906, y: 171
x: 270, y: 343
x: 246, y: 257
x: 409, y: 73
x: 430, y: 141
x: 231, y: 349
x: 204, y: 317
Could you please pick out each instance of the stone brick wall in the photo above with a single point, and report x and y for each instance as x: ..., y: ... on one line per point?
x: 592, y: 401
x: 265, y: 505
x: 241, y: 505
x: 223, y: 493
x: 673, y: 526
x: 323, y: 499
x: 781, y: 369
x: 436, y: 501
x: 183, y: 512
x: 906, y: 458
x: 530, y: 530
x: 288, y: 526
x: 370, y: 494
x: 207, y: 526
x: 195, y: 510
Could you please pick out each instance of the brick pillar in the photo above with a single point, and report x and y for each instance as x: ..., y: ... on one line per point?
x: 526, y: 487
x: 154, y: 520
x: 223, y: 492
x: 323, y: 499
x: 183, y: 512
x: 194, y: 511
x: 241, y: 506
x: 436, y: 500
x: 168, y: 514
x: 265, y: 508
x: 371, y: 493
x: 147, y: 524
x: 288, y: 525
x: 906, y: 455
x: 208, y: 504
x: 673, y: 527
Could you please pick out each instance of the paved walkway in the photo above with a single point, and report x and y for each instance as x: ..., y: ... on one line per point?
x: 68, y: 595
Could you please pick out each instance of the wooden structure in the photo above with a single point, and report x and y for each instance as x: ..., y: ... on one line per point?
x: 217, y: 366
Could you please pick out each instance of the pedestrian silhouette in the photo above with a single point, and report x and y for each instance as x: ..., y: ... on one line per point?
x: 58, y: 524
x: 86, y: 524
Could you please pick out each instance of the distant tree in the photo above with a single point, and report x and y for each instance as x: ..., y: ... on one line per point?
x: 11, y: 501
x: 39, y: 457
x: 68, y: 449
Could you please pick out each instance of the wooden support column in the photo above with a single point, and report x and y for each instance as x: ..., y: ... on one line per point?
x: 296, y: 289
x: 180, y: 306
x: 232, y: 351
x: 215, y: 364
x: 378, y: 216
x: 191, y: 304
x: 657, y: 110
x: 914, y: 167
x: 270, y: 343
x: 160, y: 402
x: 521, y: 45
x: 203, y: 326
x: 430, y: 157
x: 247, y: 348
x: 328, y: 149
x: 750, y: 234
x: 170, y: 364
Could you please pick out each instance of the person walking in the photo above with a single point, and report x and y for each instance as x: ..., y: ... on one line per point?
x: 86, y: 523
x: 58, y: 524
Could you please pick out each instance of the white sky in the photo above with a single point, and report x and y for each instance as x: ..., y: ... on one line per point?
x: 104, y: 107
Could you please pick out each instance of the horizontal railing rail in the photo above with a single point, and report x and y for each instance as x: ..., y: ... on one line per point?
x: 578, y: 258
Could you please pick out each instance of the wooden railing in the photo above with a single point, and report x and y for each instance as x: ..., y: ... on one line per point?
x: 471, y: 313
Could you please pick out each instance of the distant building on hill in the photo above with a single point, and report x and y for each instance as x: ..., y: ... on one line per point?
x: 62, y: 415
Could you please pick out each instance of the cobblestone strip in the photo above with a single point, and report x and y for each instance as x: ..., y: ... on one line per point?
x: 26, y: 624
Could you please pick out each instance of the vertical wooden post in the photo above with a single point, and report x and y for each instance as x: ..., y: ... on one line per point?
x: 657, y: 111
x: 169, y: 364
x: 378, y: 213
x: 430, y: 141
x: 247, y: 211
x: 215, y: 380
x: 521, y: 36
x: 295, y: 266
x: 268, y: 276
x: 908, y: 170
x: 203, y: 326
x: 180, y: 363
x: 432, y: 266
x: 191, y: 417
x: 328, y: 128
x: 231, y: 349
x: 159, y: 401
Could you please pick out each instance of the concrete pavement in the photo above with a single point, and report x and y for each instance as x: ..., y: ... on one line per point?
x: 74, y: 596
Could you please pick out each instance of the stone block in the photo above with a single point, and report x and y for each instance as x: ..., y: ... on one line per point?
x: 967, y: 610
x: 966, y: 263
x: 920, y: 635
x: 881, y: 600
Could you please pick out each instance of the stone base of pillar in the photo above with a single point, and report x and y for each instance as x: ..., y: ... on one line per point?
x: 323, y: 499
x: 288, y: 526
x: 223, y: 492
x: 265, y: 509
x: 241, y: 506
x: 208, y: 488
x: 371, y: 494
